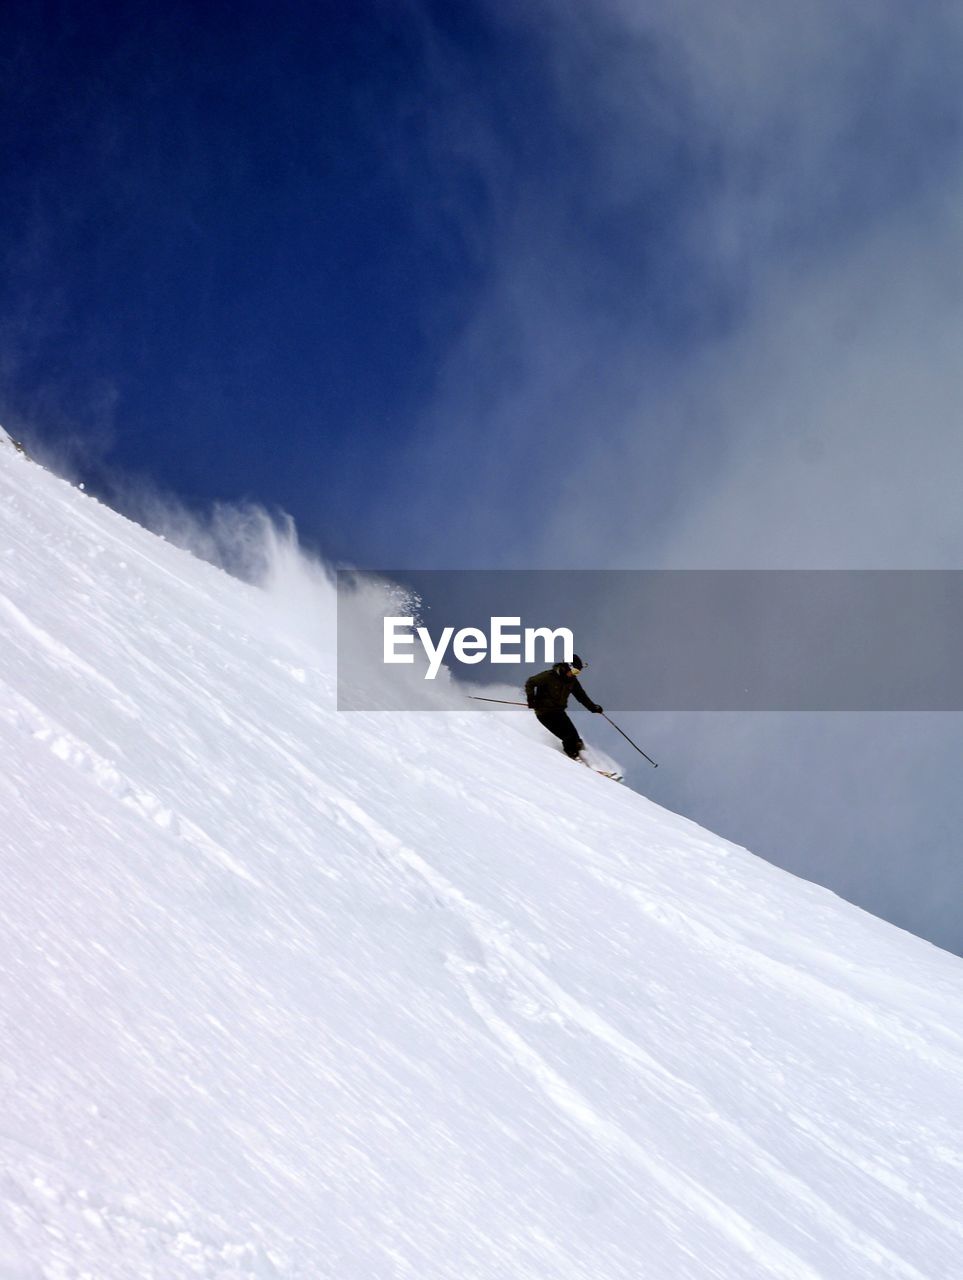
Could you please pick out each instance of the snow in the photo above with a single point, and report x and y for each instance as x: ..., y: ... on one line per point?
x: 292, y: 992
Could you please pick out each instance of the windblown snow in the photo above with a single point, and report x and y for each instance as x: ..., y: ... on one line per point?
x: 288, y: 992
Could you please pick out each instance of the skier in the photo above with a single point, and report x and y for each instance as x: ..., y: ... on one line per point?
x: 548, y: 694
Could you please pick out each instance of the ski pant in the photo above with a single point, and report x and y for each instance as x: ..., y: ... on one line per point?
x: 557, y: 722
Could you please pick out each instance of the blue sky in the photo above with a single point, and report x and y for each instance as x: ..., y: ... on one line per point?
x: 533, y: 285
x: 251, y: 245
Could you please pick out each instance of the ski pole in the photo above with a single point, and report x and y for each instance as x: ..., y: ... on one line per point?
x: 504, y: 701
x: 629, y: 740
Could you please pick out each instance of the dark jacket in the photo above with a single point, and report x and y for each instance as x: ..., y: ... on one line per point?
x: 549, y: 690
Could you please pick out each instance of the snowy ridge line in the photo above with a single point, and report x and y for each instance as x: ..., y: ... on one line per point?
x: 723, y: 1216
x: 103, y: 521
x: 714, y: 940
x: 22, y: 715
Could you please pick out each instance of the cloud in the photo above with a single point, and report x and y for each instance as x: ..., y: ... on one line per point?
x: 729, y: 258
x: 720, y: 327
x: 821, y: 419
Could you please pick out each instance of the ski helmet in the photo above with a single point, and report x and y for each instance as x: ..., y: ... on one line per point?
x: 577, y: 662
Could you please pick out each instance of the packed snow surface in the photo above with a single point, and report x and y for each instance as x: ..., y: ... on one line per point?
x: 293, y: 992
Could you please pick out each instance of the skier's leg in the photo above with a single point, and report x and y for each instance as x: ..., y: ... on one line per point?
x: 572, y: 744
x: 558, y: 722
x: 549, y: 720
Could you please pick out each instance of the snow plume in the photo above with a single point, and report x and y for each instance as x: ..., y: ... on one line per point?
x: 301, y: 602
x: 248, y: 542
x: 243, y: 539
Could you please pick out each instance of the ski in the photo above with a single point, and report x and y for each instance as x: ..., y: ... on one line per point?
x: 605, y: 773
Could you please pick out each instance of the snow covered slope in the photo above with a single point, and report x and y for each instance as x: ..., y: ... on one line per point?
x: 287, y: 992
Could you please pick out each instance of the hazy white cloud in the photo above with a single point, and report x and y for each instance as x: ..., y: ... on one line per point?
x: 820, y: 424
x: 784, y: 388
x: 791, y: 322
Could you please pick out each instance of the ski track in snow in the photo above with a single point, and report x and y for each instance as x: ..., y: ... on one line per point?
x: 777, y: 973
x: 106, y: 775
x: 64, y: 657
x: 289, y: 993
x: 771, y: 1257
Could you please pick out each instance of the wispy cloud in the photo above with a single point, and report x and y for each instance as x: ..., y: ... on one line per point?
x: 725, y: 332
x: 743, y: 279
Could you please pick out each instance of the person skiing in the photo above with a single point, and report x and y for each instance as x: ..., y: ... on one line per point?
x: 547, y: 694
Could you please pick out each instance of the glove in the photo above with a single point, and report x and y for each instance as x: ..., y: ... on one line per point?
x: 597, y: 709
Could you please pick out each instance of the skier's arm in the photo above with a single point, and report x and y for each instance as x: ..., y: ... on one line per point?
x: 585, y: 700
x: 531, y: 688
